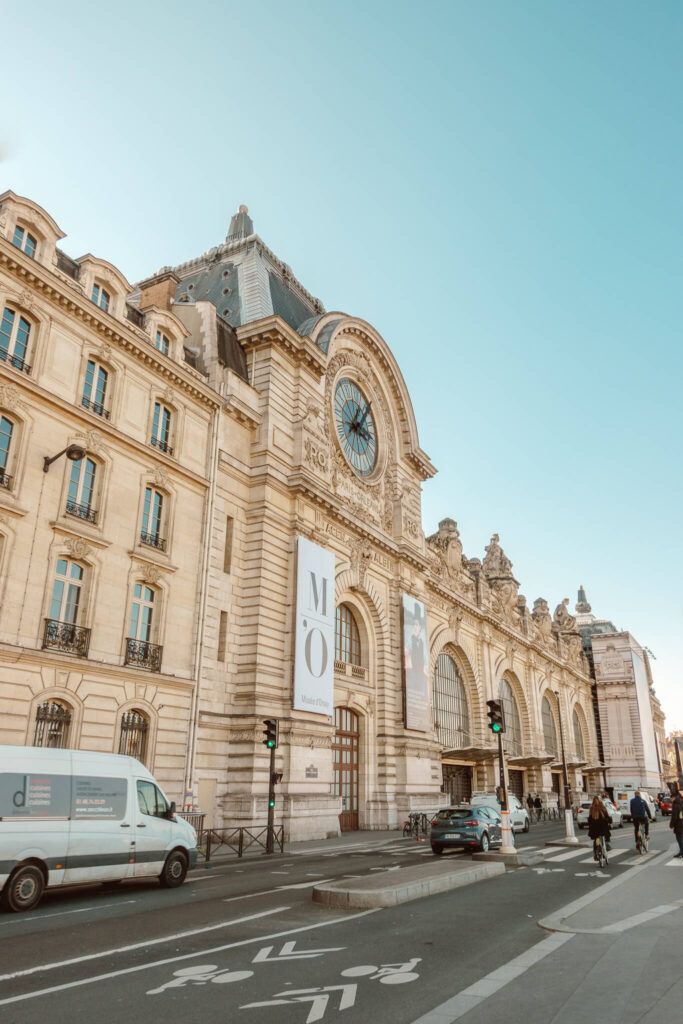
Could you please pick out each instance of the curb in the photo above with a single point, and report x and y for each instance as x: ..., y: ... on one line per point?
x: 520, y: 859
x: 415, y: 883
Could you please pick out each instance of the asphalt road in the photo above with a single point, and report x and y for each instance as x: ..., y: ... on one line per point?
x: 242, y: 942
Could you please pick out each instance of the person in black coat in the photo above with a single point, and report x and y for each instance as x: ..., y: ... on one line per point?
x: 599, y: 821
x: 676, y: 822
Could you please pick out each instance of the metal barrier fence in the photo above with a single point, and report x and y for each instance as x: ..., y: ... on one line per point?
x: 194, y: 818
x: 238, y: 839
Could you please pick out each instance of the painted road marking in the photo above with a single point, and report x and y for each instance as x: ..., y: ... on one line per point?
x: 547, y: 871
x: 470, y: 997
x: 183, y: 956
x: 139, y: 945
x: 644, y: 918
x: 199, y: 976
x: 610, y: 856
x: 62, y: 913
x: 318, y: 997
x: 568, y: 855
x: 674, y: 863
x: 279, y: 888
x: 642, y: 858
x: 289, y: 953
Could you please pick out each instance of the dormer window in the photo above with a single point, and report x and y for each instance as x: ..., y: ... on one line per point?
x: 24, y: 241
x: 162, y: 342
x: 100, y: 297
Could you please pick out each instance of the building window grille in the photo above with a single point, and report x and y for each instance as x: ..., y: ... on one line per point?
x: 512, y: 737
x: 95, y: 389
x: 134, y: 733
x: 346, y: 636
x: 161, y: 428
x: 81, y: 491
x: 15, y: 331
x: 451, y: 711
x: 53, y: 721
x: 578, y: 737
x: 24, y: 241
x: 100, y: 297
x: 549, y: 730
x: 161, y: 342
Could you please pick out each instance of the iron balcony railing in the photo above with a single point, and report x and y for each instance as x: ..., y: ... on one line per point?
x: 5, y: 480
x: 163, y: 446
x: 16, y: 361
x: 81, y: 511
x: 95, y: 407
x: 66, y: 637
x: 143, y: 655
x: 153, y: 540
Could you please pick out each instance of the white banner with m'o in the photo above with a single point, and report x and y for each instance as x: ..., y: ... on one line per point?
x: 314, y: 650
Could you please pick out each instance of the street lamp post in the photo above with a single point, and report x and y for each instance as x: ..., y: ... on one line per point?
x: 568, y: 816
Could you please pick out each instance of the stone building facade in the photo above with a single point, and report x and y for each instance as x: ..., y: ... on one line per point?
x: 257, y: 379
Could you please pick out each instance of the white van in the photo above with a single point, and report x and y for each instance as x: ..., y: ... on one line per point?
x: 69, y: 816
x: 623, y: 796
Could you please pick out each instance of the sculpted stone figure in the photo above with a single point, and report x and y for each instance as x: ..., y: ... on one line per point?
x: 496, y: 563
x: 562, y: 619
x: 446, y: 542
x: 541, y: 617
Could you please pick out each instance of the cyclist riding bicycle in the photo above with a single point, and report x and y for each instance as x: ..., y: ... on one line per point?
x: 640, y: 815
x: 598, y: 822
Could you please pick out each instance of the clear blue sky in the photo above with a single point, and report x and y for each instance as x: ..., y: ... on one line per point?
x: 495, y: 186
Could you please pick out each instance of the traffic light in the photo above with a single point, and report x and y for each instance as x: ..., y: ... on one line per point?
x: 495, y: 716
x: 270, y: 732
x: 271, y: 802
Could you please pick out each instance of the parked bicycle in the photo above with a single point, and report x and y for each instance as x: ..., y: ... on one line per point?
x: 417, y: 824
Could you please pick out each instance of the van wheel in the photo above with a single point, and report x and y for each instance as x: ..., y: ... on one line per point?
x: 175, y: 870
x: 24, y: 889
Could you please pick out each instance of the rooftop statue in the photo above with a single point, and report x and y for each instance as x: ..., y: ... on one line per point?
x: 496, y: 563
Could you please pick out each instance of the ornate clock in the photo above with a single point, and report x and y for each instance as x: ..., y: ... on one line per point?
x: 355, y: 426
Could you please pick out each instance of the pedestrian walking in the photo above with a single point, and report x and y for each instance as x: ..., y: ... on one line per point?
x: 538, y: 807
x: 530, y: 805
x: 676, y: 822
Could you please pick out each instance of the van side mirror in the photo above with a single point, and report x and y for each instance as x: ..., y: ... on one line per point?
x: 170, y: 814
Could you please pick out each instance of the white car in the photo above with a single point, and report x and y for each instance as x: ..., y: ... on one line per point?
x: 615, y: 816
x: 519, y: 816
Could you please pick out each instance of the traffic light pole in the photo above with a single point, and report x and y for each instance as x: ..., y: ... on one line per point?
x: 508, y: 835
x: 270, y: 845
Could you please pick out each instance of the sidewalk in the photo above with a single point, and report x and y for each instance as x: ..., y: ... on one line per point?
x: 345, y: 841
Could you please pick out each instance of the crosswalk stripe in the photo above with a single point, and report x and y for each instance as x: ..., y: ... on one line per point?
x: 610, y: 856
x: 568, y: 855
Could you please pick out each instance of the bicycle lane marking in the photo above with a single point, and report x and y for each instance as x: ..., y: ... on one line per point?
x: 184, y: 956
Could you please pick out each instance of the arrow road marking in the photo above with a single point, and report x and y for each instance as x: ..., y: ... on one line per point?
x: 546, y: 871
x: 317, y: 997
x: 289, y: 953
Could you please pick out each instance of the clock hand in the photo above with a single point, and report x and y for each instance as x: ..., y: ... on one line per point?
x: 367, y: 410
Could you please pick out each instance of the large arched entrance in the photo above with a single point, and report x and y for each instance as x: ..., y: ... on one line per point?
x: 345, y: 757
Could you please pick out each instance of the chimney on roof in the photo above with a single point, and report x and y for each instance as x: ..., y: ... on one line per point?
x: 241, y: 225
x: 159, y: 289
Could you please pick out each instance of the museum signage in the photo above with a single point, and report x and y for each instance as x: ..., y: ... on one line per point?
x: 314, y: 650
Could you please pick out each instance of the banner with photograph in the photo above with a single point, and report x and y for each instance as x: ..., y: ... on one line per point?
x: 315, y: 612
x: 415, y: 664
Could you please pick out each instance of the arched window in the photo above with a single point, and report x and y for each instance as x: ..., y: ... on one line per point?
x: 53, y: 720
x: 549, y: 730
x: 6, y: 430
x: 95, y: 389
x: 161, y: 342
x: 346, y: 636
x: 451, y: 711
x: 134, y: 733
x: 152, y: 519
x: 161, y: 428
x: 62, y: 629
x: 100, y: 297
x: 25, y: 241
x: 15, y: 331
x: 140, y: 650
x: 512, y: 737
x: 81, y: 493
x: 578, y: 737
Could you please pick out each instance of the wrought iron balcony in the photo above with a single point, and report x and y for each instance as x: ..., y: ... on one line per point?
x: 81, y: 511
x: 16, y: 361
x: 66, y: 637
x: 163, y: 446
x: 95, y: 407
x: 143, y: 655
x: 153, y: 540
x: 5, y: 480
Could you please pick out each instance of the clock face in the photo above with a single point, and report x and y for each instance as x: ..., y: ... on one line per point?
x: 355, y: 426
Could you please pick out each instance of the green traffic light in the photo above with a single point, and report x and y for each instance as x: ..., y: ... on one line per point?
x: 269, y: 743
x: 271, y: 803
x: 495, y: 727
